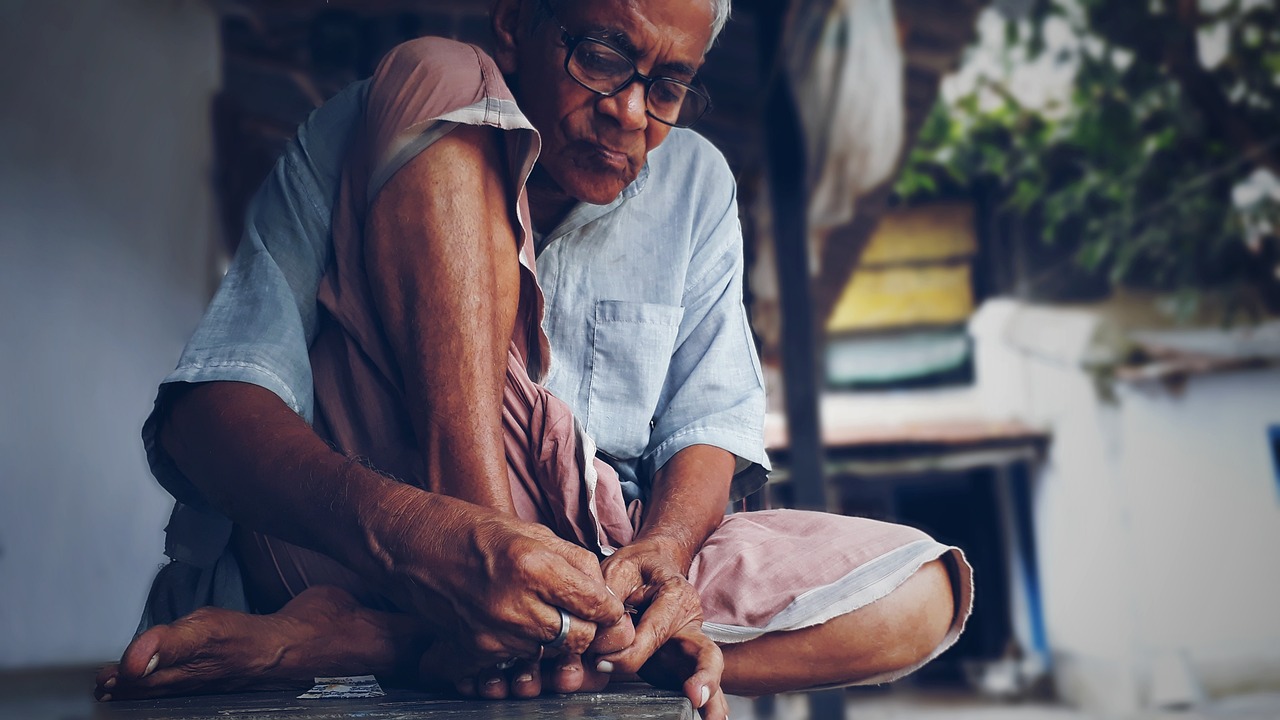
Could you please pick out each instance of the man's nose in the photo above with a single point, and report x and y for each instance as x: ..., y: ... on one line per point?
x: 627, y: 107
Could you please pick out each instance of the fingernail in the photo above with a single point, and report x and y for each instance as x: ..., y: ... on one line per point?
x: 151, y: 666
x: 110, y: 683
x: 105, y: 698
x: 706, y: 695
x: 492, y: 681
x: 604, y: 666
x: 524, y: 678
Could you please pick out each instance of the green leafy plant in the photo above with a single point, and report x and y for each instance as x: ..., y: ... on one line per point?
x: 1132, y: 169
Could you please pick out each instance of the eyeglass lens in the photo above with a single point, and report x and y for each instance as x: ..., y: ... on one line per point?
x: 606, y: 71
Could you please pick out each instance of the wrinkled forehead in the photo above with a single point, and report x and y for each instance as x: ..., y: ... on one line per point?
x: 679, y: 28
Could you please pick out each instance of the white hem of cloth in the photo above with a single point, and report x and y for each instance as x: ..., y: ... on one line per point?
x: 495, y: 112
x: 960, y: 574
x: 861, y: 587
x: 586, y: 459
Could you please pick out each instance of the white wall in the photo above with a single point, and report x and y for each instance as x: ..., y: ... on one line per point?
x: 1207, y: 584
x: 106, y: 231
x: 1156, y: 514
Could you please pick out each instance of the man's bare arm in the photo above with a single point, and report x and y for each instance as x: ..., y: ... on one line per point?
x: 685, y: 506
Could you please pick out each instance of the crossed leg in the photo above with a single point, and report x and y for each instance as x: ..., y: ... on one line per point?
x: 324, y: 631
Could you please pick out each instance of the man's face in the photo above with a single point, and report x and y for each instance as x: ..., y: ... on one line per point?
x: 593, y: 146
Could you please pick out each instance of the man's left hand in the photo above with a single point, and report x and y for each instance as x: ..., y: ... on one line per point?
x: 670, y: 649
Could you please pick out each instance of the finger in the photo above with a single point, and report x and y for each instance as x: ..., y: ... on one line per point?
x: 613, y: 638
x: 526, y: 679
x: 581, y: 633
x: 704, y: 683
x: 664, y: 617
x: 466, y: 687
x: 564, y: 585
x: 717, y: 708
x: 623, y: 578
x: 593, y: 680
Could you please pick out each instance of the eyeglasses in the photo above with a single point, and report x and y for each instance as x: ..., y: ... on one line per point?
x: 606, y: 71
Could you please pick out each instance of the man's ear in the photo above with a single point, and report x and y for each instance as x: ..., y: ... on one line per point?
x: 506, y: 34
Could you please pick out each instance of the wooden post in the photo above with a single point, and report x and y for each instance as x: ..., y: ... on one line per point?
x: 801, y: 363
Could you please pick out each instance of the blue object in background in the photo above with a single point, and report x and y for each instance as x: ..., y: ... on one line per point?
x: 1273, y: 434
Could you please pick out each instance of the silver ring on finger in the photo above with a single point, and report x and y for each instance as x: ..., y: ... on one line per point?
x: 508, y: 664
x: 564, y: 631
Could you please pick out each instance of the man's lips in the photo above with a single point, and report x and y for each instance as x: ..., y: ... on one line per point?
x: 608, y: 156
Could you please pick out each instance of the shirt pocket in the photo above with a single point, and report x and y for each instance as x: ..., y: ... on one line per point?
x: 631, y: 350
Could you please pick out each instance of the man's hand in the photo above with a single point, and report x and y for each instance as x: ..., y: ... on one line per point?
x: 669, y: 649
x: 491, y: 584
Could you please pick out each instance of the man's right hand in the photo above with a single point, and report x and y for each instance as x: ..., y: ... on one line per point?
x: 491, y: 585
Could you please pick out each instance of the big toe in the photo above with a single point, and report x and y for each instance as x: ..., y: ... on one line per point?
x: 147, y: 651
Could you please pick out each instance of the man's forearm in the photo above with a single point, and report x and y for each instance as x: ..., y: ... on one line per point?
x: 687, y: 500
x: 257, y: 461
x: 449, y: 561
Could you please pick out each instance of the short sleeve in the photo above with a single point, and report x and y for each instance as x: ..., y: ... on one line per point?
x: 714, y: 390
x: 260, y: 323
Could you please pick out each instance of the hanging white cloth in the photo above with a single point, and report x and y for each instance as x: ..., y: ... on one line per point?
x: 845, y: 68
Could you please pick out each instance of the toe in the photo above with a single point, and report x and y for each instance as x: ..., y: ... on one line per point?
x: 106, y: 675
x: 566, y: 675
x: 144, y: 655
x: 526, y: 680
x: 493, y: 685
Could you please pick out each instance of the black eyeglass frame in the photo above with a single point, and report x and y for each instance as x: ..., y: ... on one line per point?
x: 571, y: 43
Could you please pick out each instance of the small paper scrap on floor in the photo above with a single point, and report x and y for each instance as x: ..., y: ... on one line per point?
x: 350, y: 686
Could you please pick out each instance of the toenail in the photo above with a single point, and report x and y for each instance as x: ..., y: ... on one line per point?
x: 151, y: 666
x: 524, y: 678
x: 110, y: 683
x: 604, y: 666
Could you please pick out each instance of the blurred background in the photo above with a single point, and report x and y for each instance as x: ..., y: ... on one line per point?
x: 1013, y: 269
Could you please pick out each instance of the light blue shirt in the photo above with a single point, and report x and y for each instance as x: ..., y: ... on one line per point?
x: 650, y: 344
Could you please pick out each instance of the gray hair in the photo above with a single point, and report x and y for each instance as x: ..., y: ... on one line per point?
x: 720, y: 10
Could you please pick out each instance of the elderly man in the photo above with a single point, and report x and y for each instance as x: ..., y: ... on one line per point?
x: 446, y: 515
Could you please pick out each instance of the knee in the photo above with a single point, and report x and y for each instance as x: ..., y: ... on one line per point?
x: 923, y: 610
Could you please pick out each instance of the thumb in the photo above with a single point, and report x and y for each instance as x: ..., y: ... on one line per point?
x: 622, y: 577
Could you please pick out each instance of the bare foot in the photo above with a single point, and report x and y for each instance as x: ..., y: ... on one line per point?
x: 526, y: 678
x: 322, y: 631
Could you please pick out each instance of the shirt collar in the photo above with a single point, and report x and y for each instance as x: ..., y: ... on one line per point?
x: 584, y: 213
x: 637, y: 185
